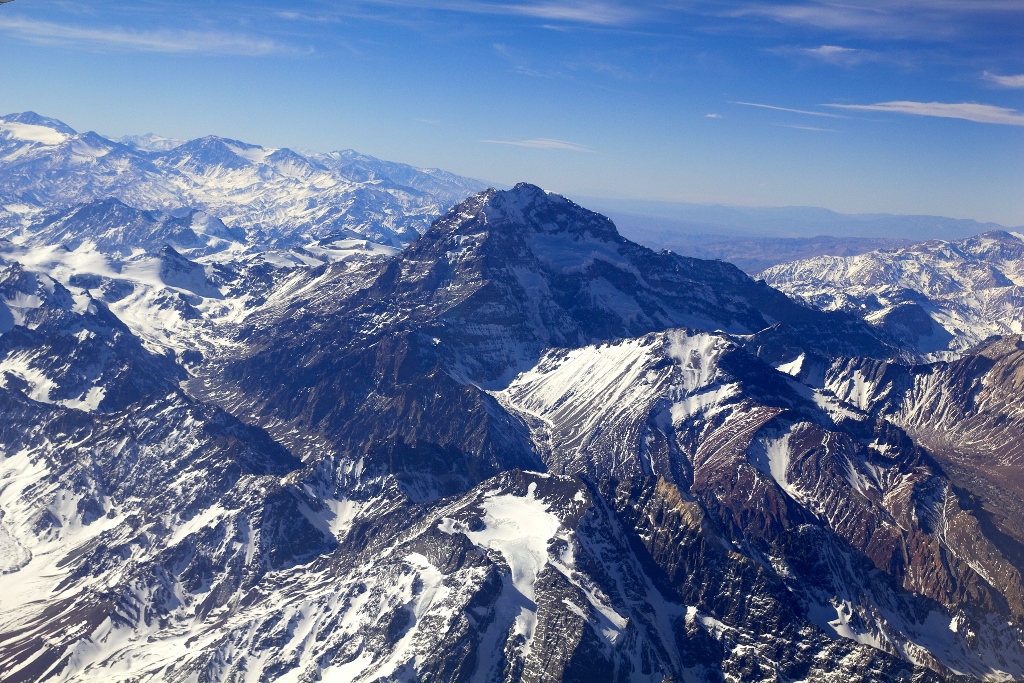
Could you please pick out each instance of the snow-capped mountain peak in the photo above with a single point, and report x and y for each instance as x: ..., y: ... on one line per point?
x: 149, y: 142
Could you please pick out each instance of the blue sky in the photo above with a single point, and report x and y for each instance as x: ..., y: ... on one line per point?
x: 904, y: 106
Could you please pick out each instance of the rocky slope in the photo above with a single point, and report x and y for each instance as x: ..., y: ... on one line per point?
x: 938, y: 296
x: 967, y: 412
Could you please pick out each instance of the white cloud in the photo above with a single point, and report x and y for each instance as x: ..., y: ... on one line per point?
x: 811, y: 128
x: 165, y: 40
x: 577, y: 11
x: 931, y: 19
x: 542, y: 143
x: 712, y: 116
x: 1014, y: 82
x: 835, y: 54
x: 969, y: 111
x: 584, y: 12
x: 792, y: 111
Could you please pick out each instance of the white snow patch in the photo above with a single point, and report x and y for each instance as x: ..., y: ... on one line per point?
x: 19, y: 365
x: 794, y: 366
x: 89, y: 403
x: 519, y: 528
x: 204, y: 519
x: 771, y: 455
x: 33, y: 133
x: 344, y: 513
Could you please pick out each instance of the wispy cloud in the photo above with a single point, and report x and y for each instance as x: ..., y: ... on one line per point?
x: 542, y: 143
x: 1014, y: 82
x: 929, y: 19
x: 969, y: 111
x: 811, y: 128
x: 792, y: 111
x: 518, y: 64
x: 164, y: 40
x: 712, y: 116
x: 576, y: 11
x: 833, y: 17
x: 836, y: 54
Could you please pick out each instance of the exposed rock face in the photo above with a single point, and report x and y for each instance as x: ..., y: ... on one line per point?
x: 968, y: 414
x: 523, y: 449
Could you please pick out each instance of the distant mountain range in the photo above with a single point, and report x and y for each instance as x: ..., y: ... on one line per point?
x: 938, y: 295
x: 278, y: 196
x: 255, y: 426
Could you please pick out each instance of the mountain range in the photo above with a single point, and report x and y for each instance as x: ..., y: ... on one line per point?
x: 491, y: 440
x: 938, y: 295
x: 278, y: 195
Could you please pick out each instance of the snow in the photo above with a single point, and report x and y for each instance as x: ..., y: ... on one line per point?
x: 60, y: 263
x: 519, y: 528
x: 13, y: 555
x: 697, y: 356
x: 583, y: 405
x: 151, y: 143
x: 566, y: 254
x: 255, y: 154
x: 770, y: 453
x: 206, y: 518
x: 33, y: 133
x: 349, y: 671
x: 19, y: 364
x: 794, y: 366
x: 701, y: 401
x: 344, y: 513
x: 971, y: 289
x: 88, y: 403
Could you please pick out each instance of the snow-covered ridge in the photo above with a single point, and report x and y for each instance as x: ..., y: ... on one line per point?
x: 941, y: 296
x: 279, y: 194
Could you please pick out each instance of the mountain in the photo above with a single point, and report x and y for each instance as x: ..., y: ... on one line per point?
x: 415, y: 340
x: 275, y: 195
x: 172, y: 278
x: 67, y: 349
x: 150, y: 142
x: 522, y: 448
x: 966, y: 412
x: 938, y: 296
x: 117, y: 230
x: 423, y: 385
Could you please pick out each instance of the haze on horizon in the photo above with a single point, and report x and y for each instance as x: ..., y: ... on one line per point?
x: 910, y: 106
